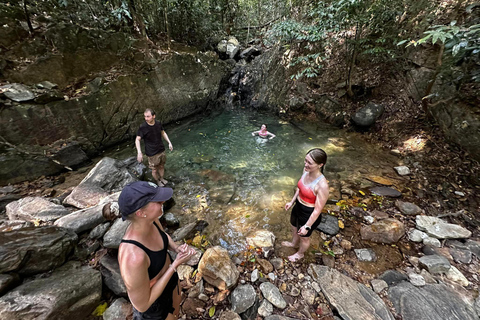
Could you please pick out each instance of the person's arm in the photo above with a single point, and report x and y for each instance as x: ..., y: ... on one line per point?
x: 139, y: 149
x: 271, y: 135
x: 255, y: 132
x: 322, y: 197
x: 165, y: 136
x: 290, y: 204
x: 134, y: 270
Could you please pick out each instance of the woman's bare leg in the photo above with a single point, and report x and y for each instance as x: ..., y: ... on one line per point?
x: 177, y: 298
x: 304, y: 245
x: 295, y: 239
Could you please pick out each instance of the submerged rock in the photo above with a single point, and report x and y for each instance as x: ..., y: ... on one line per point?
x: 386, y: 192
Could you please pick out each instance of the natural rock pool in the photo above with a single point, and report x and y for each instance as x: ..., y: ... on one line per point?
x: 239, y: 183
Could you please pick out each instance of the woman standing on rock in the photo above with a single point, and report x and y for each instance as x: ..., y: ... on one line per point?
x: 309, y: 199
x: 147, y: 269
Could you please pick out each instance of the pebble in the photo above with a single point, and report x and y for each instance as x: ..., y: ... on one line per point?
x: 379, y: 285
x: 367, y: 255
x: 369, y: 219
x: 402, y: 170
x: 254, y: 276
x: 416, y: 279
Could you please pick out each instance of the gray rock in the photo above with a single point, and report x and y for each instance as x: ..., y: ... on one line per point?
x: 82, y: 220
x: 430, y: 302
x: 196, y: 290
x: 254, y: 276
x: 402, y: 170
x: 108, y: 175
x: 265, y: 309
x: 67, y: 293
x: 277, y: 263
x: 189, y: 231
x: 416, y: 279
x: 473, y: 246
x: 439, y: 229
x: 99, y: 231
x: 18, y: 92
x: 111, y: 275
x: 229, y: 315
x: 366, y: 255
x: 217, y: 269
x: 366, y: 116
x: 384, y: 231
x: 329, y: 224
x: 457, y: 276
x: 278, y: 317
x: 434, y: 263
x: 7, y: 282
x: 35, y: 208
x: 428, y: 277
x: 392, y: 277
x: 378, y: 285
x: 171, y: 220
x: 308, y: 295
x: 35, y: 250
x: 353, y: 301
x: 69, y: 154
x: 46, y: 85
x: 273, y: 295
x: 11, y: 225
x: 120, y: 309
x: 434, y: 242
x: 242, y: 298
x: 114, y: 235
x: 416, y: 235
x: 408, y: 208
x: 386, y: 192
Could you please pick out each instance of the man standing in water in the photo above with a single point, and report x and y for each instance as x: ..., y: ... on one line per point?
x: 151, y: 131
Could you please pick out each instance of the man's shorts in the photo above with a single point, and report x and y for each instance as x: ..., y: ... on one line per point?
x: 157, y: 160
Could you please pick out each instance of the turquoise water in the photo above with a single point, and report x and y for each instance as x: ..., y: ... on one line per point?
x: 239, y: 183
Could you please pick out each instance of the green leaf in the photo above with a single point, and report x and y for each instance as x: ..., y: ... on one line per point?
x: 211, y: 311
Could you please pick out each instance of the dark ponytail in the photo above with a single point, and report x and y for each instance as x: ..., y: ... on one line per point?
x: 110, y: 211
x: 319, y: 156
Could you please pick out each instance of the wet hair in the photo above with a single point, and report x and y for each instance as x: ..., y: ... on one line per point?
x: 149, y: 110
x: 110, y: 211
x: 319, y: 156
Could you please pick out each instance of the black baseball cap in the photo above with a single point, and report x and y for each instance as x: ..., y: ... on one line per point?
x: 137, y: 194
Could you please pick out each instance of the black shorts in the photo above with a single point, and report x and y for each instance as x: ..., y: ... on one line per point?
x: 300, y: 215
x: 160, y: 309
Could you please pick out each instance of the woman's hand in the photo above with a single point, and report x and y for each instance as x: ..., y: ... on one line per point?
x: 302, y: 231
x: 181, y: 248
x: 183, y: 257
x: 288, y: 205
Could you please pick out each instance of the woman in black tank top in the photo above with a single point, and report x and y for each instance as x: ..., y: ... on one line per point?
x: 147, y: 269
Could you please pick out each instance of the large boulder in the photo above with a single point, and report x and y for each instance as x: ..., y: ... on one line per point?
x: 384, y: 231
x: 366, y: 116
x: 70, y: 292
x: 109, y: 175
x: 35, y: 250
x: 35, y: 208
x: 217, y: 268
x: 114, y: 235
x: 111, y: 275
x: 438, y: 228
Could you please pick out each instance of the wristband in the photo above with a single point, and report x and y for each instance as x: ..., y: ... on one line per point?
x: 307, y: 227
x: 174, y: 269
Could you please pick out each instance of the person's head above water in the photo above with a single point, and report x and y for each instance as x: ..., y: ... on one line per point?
x: 263, y: 127
x: 318, y: 156
x: 136, y: 195
x: 149, y: 116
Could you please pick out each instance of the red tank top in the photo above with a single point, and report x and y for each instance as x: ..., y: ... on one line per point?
x: 306, y: 191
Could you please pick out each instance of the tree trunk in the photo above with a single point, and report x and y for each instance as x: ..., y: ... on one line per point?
x: 428, y: 91
x: 167, y: 28
x: 27, y: 17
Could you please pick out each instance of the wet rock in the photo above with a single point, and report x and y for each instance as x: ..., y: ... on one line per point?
x: 170, y: 220
x: 408, y: 208
x: 385, y: 231
x: 386, y: 192
x: 329, y: 224
x: 265, y: 309
x: 111, y: 275
x: 68, y: 292
x: 242, y: 298
x: 189, y: 231
x: 416, y: 279
x: 366, y: 116
x: 120, y: 309
x: 82, y: 220
x: 439, y: 229
x: 18, y: 92
x: 261, y: 239
x: 434, y: 263
x: 434, y: 242
x: 193, y: 307
x: 378, y: 285
x: 416, y: 235
x: 424, y: 303
x: 273, y: 295
x: 7, y: 282
x: 114, y: 235
x: 392, y: 277
x: 99, y: 231
x: 222, y: 193
x: 277, y: 263
x: 366, y: 255
x: 402, y: 170
x: 229, y: 315
x: 354, y: 301
x: 35, y: 250
x: 108, y: 175
x: 217, y: 269
x: 35, y: 208
x: 455, y: 275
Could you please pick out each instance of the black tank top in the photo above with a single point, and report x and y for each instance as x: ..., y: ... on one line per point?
x: 157, y: 258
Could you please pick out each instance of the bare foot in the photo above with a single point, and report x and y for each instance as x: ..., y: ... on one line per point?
x: 288, y: 244
x: 295, y: 257
x: 163, y: 181
x: 160, y: 184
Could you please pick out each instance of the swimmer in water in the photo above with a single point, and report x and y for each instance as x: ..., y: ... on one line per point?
x: 263, y: 133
